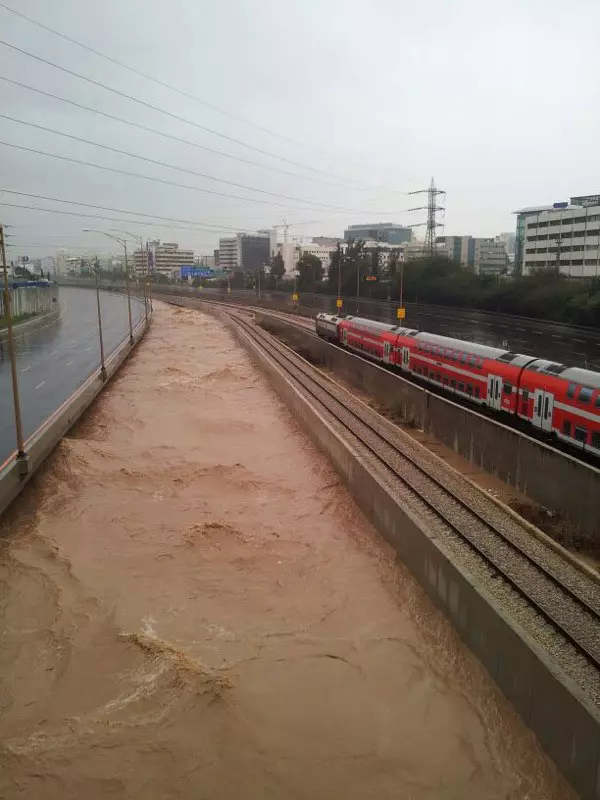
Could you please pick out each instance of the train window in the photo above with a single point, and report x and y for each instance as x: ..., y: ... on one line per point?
x: 453, y: 384
x: 445, y: 381
x: 425, y: 371
x: 585, y: 394
x: 461, y: 387
x: 596, y: 440
x: 566, y: 427
x: 581, y: 433
x: 463, y: 358
x: 507, y: 388
x: 571, y: 390
x: 477, y: 391
x: 525, y: 394
x: 598, y: 400
x: 469, y: 390
x: 472, y: 361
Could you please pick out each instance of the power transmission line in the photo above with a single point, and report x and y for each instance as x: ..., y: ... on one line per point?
x: 165, y: 85
x: 165, y: 135
x: 170, y: 113
x: 156, y: 162
x: 181, y: 92
x: 152, y: 179
x: 109, y: 219
x: 218, y: 228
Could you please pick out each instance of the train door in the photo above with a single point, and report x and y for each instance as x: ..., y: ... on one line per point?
x: 543, y: 405
x: 405, y: 359
x: 344, y: 336
x: 494, y: 392
x: 386, y: 352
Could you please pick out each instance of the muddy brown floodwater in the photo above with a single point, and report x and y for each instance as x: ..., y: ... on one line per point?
x: 192, y: 606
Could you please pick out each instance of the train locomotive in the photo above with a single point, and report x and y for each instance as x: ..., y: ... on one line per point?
x: 562, y: 401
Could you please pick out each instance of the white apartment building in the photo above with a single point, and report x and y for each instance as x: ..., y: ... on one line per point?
x: 564, y: 236
x: 228, y: 254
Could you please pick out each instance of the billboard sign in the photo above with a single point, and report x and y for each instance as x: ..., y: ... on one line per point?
x: 200, y: 272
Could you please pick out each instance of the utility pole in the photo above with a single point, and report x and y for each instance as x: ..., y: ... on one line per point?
x: 432, y: 208
x: 338, y: 302
x: 21, y: 455
x: 558, y: 248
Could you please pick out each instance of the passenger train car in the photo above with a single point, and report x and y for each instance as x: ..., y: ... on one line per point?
x: 559, y: 400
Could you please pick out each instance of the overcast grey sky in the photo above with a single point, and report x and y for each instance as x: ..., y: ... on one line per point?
x: 497, y: 100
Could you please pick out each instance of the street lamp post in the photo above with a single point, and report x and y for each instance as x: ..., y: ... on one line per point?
x: 123, y: 243
x: 141, y: 241
x: 21, y: 455
x: 102, y: 364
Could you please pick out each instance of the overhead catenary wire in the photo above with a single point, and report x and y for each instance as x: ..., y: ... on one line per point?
x: 203, y: 175
x: 190, y: 96
x: 177, y: 117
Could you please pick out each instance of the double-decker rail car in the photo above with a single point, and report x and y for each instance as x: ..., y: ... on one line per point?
x: 560, y: 400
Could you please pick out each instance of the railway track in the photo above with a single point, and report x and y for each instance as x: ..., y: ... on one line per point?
x: 555, y: 602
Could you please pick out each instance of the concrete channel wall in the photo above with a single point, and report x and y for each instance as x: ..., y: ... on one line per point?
x: 549, y: 477
x: 565, y: 722
x: 14, y: 477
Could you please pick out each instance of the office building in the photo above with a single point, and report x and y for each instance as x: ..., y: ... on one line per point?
x: 166, y: 258
x: 484, y: 255
x: 563, y: 236
x: 387, y: 232
x: 322, y: 253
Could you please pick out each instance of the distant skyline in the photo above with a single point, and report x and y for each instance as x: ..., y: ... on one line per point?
x: 499, y: 102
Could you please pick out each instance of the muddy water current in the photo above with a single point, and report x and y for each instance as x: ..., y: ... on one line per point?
x: 191, y: 606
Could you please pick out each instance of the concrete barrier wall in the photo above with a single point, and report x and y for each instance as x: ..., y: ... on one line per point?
x: 565, y: 722
x: 554, y: 480
x: 13, y: 478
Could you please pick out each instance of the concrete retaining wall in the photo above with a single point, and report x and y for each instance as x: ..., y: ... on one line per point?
x: 549, y: 477
x: 566, y: 724
x: 27, y: 300
x: 44, y: 440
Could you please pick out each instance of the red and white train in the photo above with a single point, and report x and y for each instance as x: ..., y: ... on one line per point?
x: 563, y: 401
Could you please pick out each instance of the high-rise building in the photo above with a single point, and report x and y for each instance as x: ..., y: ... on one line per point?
x: 166, y: 259
x: 245, y: 252
x: 387, y: 232
x: 563, y: 236
x: 228, y: 259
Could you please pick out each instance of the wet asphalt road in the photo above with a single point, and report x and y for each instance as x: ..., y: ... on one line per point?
x: 54, y: 361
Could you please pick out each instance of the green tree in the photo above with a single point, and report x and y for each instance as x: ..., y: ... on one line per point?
x: 310, y: 272
x: 277, y: 271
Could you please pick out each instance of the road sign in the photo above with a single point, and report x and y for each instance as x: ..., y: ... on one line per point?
x: 370, y: 278
x: 295, y: 297
x: 339, y: 303
x: 401, y: 313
